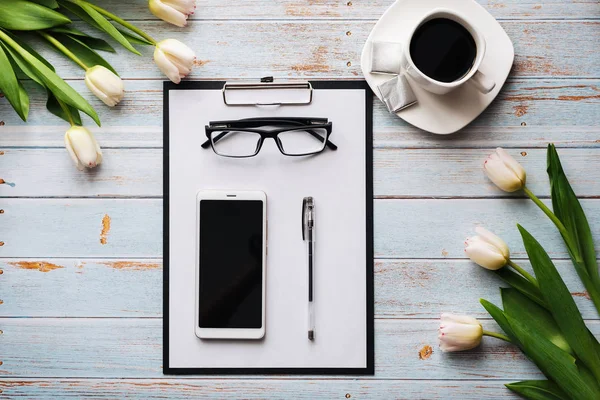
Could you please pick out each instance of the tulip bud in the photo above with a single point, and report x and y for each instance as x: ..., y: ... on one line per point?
x: 487, y: 250
x: 175, y: 12
x: 459, y: 332
x: 174, y: 59
x: 82, y: 147
x: 505, y: 171
x: 107, y: 86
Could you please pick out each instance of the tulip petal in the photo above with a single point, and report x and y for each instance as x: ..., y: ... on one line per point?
x: 502, y: 177
x: 98, y: 150
x: 494, y: 241
x: 167, y: 68
x: 168, y: 13
x: 484, y: 254
x: 72, y: 152
x: 177, y: 49
x: 183, y: 6
x: 105, y: 84
x: 512, y: 164
x: 83, y: 145
x: 459, y: 336
x: 464, y: 319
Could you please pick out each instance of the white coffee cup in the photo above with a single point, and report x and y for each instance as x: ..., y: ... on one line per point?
x: 474, y: 76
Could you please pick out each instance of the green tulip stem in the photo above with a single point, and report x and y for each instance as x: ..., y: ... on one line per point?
x: 496, y: 335
x: 525, y: 274
x: 122, y: 22
x: 66, y: 111
x: 64, y: 49
x: 561, y: 228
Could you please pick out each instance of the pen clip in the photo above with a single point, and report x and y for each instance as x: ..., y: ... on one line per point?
x: 307, y: 216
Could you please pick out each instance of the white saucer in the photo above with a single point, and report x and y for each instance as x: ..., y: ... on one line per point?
x: 451, y: 112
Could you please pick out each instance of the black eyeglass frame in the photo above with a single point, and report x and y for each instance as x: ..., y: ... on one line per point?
x: 251, y: 125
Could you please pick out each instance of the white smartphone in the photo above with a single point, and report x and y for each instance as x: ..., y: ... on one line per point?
x: 231, y: 255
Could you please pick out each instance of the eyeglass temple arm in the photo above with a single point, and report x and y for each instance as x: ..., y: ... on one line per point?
x: 328, y: 143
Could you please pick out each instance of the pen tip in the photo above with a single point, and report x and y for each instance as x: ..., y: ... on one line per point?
x: 311, y: 335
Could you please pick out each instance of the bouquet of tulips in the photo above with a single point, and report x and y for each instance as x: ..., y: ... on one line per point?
x: 51, y: 20
x: 539, y: 315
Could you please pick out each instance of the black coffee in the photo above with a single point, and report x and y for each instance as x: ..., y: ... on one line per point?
x: 443, y: 49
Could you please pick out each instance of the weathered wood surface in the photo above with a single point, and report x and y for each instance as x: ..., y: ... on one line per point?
x: 72, y: 307
x: 138, y: 172
x: 132, y: 228
x: 332, y: 49
x: 132, y: 348
x: 359, y: 9
x: 527, y: 113
x: 278, y: 388
x: 29, y: 288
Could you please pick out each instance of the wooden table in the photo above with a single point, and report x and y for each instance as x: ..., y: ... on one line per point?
x: 81, y: 283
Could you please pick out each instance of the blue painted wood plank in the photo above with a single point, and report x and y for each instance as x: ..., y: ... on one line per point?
x: 412, y: 228
x: 81, y: 288
x: 527, y: 113
x: 131, y: 348
x: 398, y: 173
x: 349, y: 10
x: 312, y: 48
x: 133, y: 288
x: 278, y: 388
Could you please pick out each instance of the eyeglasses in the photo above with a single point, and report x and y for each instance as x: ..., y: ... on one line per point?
x: 293, y: 136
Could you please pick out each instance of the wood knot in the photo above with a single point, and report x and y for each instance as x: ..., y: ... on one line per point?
x: 348, y: 395
x: 105, y: 229
x: 425, y: 352
x: 523, y: 153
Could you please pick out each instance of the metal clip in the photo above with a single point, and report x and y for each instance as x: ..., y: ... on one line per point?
x: 268, y: 83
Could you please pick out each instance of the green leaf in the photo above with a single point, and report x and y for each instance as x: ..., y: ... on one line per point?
x: 52, y: 81
x: 567, y: 208
x: 90, y: 41
x: 23, y: 66
x: 30, y: 50
x: 561, y: 304
x: 22, y: 15
x: 500, y: 318
x: 538, y: 390
x: 97, y: 20
x: 555, y: 363
x: 54, y: 107
x: 88, y: 56
x: 522, y: 308
x: 47, y: 3
x: 135, y: 39
x: 522, y: 285
x: 9, y: 85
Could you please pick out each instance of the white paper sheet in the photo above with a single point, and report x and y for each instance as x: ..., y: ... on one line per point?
x: 336, y: 179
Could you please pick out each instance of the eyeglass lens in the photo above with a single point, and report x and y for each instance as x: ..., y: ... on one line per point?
x: 234, y: 143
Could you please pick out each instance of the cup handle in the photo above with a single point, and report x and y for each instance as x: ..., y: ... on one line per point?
x: 482, y: 83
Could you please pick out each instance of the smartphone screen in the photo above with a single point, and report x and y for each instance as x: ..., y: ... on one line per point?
x: 231, y: 264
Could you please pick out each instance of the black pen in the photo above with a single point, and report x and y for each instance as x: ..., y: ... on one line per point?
x: 308, y: 235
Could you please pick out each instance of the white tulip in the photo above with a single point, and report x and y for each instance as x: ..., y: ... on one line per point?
x: 459, y: 332
x: 174, y: 59
x: 487, y: 250
x: 83, y: 148
x: 175, y: 12
x: 505, y: 171
x: 105, y: 84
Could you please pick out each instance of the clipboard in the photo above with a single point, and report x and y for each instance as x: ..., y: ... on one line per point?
x: 183, y: 353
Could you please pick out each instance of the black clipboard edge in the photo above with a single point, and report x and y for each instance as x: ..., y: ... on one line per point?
x: 370, y: 368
